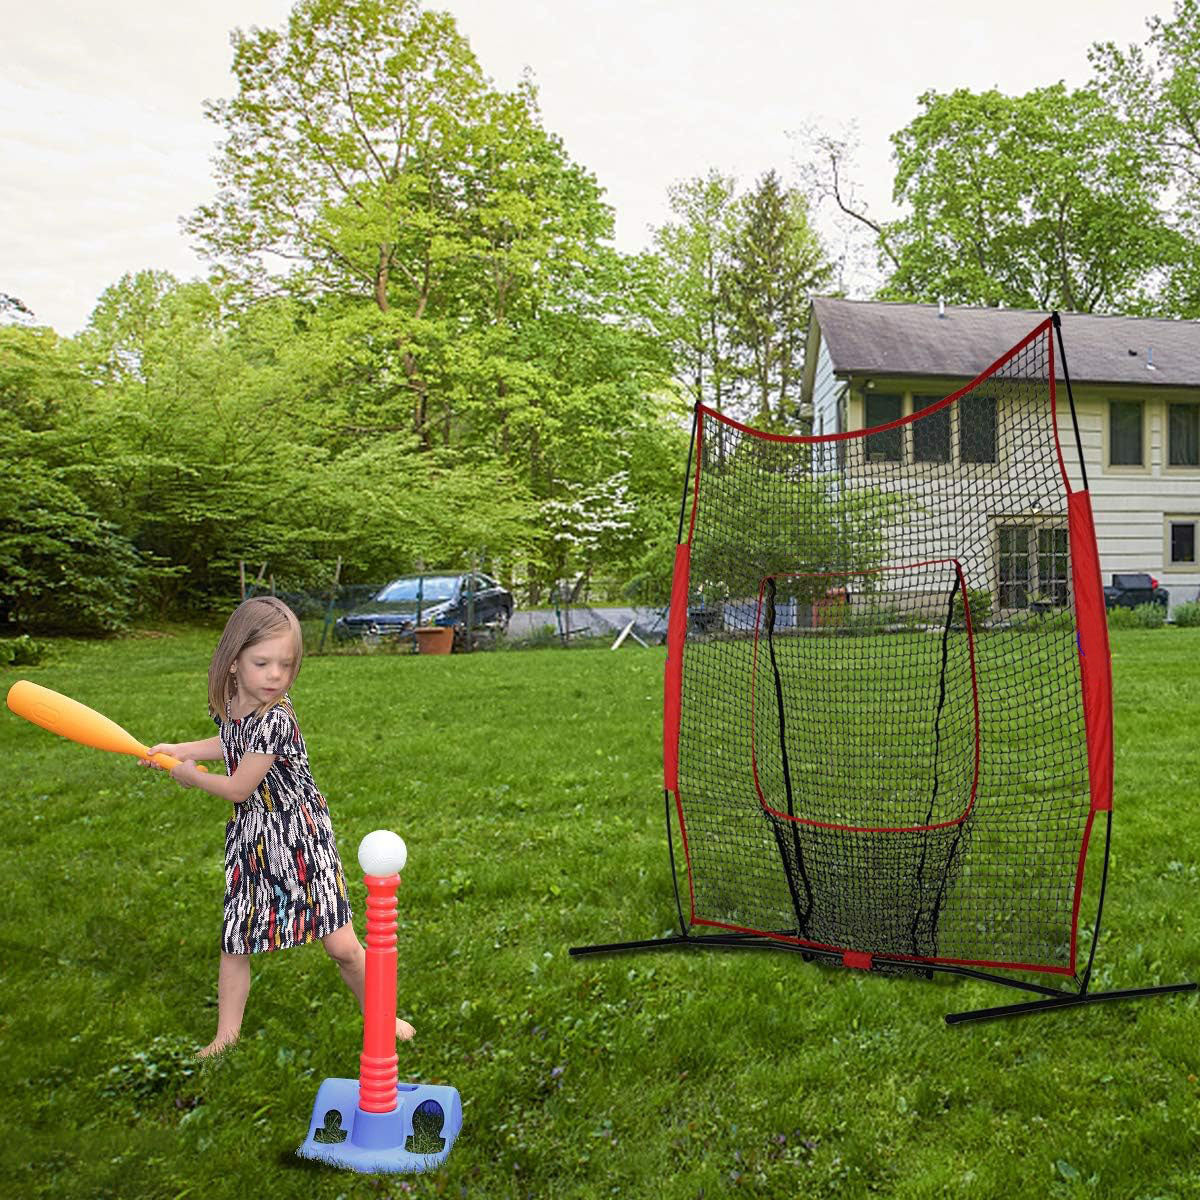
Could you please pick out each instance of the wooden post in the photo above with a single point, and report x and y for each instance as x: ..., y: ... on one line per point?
x: 262, y: 571
x: 471, y: 604
x: 337, y: 574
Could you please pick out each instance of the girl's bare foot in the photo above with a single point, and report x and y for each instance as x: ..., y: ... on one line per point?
x: 404, y: 1030
x: 219, y: 1044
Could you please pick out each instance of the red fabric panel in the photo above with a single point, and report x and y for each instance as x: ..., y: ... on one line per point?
x: 673, y: 677
x: 1095, y: 665
x: 857, y: 959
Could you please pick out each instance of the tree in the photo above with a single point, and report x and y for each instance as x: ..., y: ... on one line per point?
x: 342, y: 166
x: 693, y: 251
x: 1156, y: 90
x: 63, y: 567
x: 735, y: 278
x: 456, y: 258
x: 775, y: 263
x: 1047, y: 200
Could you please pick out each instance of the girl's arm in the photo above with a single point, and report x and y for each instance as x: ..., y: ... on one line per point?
x: 236, y: 787
x: 203, y: 751
x: 206, y: 750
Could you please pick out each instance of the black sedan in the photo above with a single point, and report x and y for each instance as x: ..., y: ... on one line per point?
x: 396, y: 610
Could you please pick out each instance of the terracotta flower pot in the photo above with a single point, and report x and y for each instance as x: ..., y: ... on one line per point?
x: 434, y: 639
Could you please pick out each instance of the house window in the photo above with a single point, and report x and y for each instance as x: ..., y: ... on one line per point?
x: 931, y: 434
x: 1183, y: 435
x: 977, y: 429
x: 1124, y: 434
x: 1052, y: 567
x: 1034, y: 566
x: 882, y: 410
x: 1014, y: 566
x: 1182, y: 539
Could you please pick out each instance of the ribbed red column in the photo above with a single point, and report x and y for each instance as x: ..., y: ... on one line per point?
x: 377, y: 1066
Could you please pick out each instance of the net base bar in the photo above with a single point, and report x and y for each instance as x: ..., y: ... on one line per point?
x: 1071, y: 1001
x: 1052, y: 997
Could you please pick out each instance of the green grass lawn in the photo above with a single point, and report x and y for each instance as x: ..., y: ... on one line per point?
x: 528, y: 789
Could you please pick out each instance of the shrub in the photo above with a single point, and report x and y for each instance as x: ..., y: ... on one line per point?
x: 22, y: 651
x: 1187, y: 614
x: 62, y: 568
x: 1145, y: 616
x: 980, y: 600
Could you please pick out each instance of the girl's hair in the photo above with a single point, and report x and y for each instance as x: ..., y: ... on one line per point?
x: 255, y: 620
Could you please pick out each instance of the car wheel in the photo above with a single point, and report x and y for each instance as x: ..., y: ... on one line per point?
x: 502, y: 619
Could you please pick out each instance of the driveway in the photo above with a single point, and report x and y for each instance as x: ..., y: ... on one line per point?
x: 650, y: 624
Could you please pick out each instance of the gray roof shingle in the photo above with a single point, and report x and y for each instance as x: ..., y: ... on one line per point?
x: 879, y: 338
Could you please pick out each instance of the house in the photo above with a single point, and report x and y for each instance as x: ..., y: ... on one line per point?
x: 1136, y: 385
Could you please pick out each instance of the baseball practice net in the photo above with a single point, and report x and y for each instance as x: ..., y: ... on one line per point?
x: 888, y: 716
x: 879, y: 743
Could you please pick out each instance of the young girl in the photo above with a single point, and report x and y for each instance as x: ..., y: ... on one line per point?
x: 284, y: 883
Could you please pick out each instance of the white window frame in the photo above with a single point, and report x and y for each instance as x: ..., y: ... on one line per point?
x: 1181, y: 568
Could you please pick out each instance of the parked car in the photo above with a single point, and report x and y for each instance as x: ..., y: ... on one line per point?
x: 1130, y: 590
x: 442, y: 599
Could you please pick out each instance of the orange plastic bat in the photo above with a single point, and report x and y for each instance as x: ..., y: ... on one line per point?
x: 70, y: 719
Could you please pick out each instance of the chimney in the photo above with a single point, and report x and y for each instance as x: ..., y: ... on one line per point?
x: 941, y: 308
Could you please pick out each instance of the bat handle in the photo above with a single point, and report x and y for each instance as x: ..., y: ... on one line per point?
x: 168, y: 763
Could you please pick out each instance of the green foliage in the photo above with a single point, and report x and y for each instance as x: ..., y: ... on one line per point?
x: 1186, y: 615
x: 1046, y: 200
x: 980, y: 600
x: 23, y: 651
x: 454, y: 283
x: 693, y: 252
x: 776, y: 262
x: 1156, y: 90
x: 803, y: 527
x: 63, y: 568
x: 1144, y: 616
x: 1043, y: 618
x: 164, y: 1065
x: 732, y: 300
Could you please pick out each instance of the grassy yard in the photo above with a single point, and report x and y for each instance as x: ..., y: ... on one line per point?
x: 528, y: 789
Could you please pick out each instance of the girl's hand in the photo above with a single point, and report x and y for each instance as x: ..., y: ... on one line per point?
x: 171, y: 748
x: 186, y: 774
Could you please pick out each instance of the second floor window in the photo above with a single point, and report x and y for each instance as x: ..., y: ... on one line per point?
x: 1183, y: 435
x: 931, y: 434
x: 882, y: 410
x: 977, y: 429
x: 1124, y: 434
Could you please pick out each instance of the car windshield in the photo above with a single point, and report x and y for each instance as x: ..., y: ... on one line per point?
x: 434, y: 589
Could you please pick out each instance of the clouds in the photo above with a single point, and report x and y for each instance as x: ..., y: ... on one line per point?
x: 104, y: 147
x: 104, y: 144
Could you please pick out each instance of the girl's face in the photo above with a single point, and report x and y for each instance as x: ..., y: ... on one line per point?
x: 265, y: 670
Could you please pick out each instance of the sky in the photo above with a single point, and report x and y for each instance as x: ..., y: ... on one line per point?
x: 104, y: 145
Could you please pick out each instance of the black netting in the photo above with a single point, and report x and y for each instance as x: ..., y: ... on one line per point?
x: 881, y: 742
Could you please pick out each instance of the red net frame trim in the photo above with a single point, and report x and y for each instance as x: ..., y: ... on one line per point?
x: 921, y: 828
x: 1095, y: 662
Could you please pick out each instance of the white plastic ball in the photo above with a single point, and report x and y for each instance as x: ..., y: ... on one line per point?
x: 382, y: 853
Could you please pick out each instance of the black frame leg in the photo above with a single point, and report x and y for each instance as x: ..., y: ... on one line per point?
x: 1067, y: 1001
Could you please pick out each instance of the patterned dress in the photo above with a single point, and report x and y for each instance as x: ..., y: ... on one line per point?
x: 284, y: 883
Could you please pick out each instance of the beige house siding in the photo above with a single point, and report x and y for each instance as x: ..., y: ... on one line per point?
x: 1131, y: 505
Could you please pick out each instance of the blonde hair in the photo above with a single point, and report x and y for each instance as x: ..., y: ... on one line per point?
x: 255, y: 620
